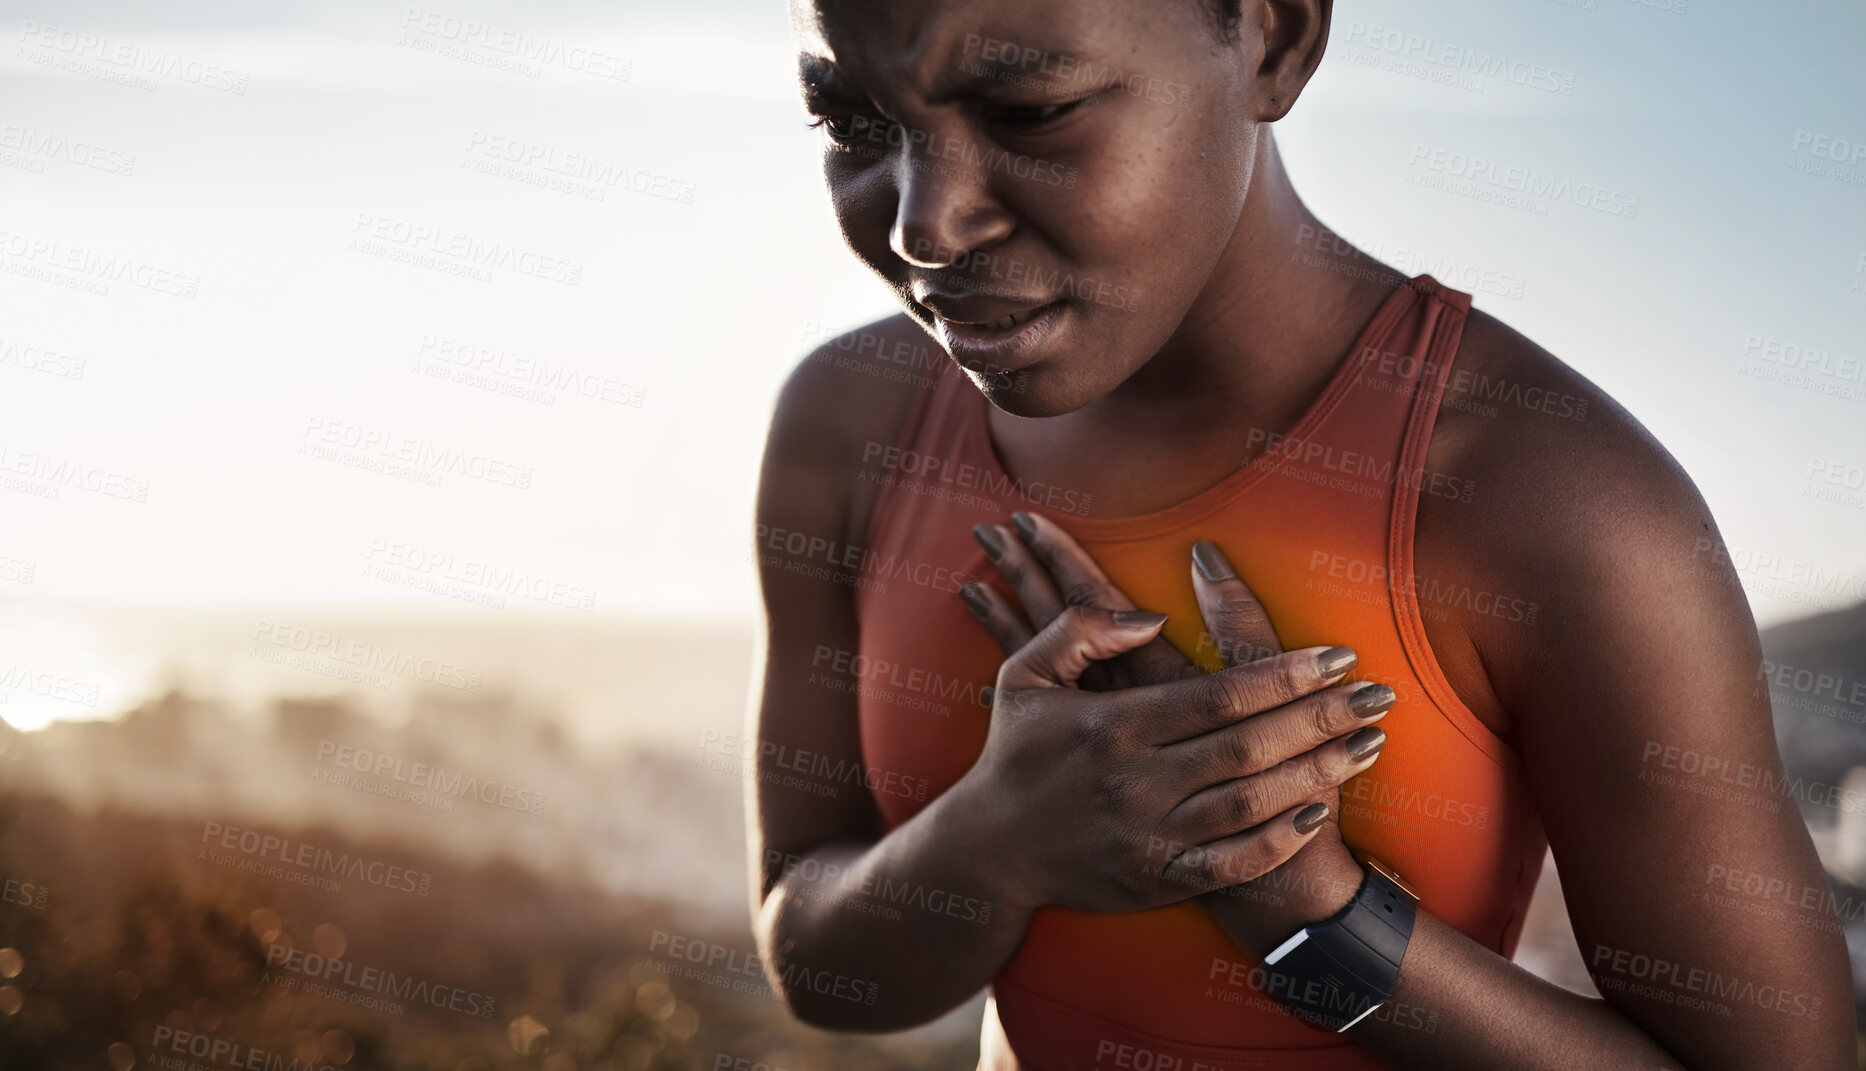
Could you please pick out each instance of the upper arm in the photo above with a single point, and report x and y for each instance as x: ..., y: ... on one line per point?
x: 1650, y: 750
x: 807, y: 498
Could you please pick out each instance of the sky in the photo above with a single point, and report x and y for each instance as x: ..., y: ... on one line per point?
x: 248, y: 357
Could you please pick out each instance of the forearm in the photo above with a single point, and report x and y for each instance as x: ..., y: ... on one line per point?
x: 1487, y: 1012
x: 1459, y: 1004
x: 912, y: 925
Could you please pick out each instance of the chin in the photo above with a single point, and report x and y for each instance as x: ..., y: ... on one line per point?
x: 1030, y: 393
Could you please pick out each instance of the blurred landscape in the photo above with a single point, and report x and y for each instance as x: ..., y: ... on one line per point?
x: 189, y: 864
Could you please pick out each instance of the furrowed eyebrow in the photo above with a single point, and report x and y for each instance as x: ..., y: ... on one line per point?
x: 989, y: 68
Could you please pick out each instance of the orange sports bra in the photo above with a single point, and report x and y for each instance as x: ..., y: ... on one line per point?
x: 1321, y: 527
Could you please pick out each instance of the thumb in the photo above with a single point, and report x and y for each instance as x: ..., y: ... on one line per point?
x: 1238, y: 623
x: 1080, y: 635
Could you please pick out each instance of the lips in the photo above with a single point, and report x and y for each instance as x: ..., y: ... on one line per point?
x: 993, y: 311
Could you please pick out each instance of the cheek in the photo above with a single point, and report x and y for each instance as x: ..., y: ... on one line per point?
x: 864, y: 202
x: 1156, y: 201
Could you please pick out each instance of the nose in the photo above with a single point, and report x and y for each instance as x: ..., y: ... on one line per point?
x: 945, y: 207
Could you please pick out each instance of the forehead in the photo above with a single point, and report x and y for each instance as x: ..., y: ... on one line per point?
x: 923, y: 42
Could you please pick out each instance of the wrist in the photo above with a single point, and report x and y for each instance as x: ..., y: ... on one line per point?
x: 976, y: 842
x: 1314, y: 885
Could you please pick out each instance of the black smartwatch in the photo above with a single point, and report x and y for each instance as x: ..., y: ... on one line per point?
x: 1336, y: 972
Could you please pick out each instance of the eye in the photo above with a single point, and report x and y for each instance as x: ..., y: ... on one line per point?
x: 1028, y: 118
x: 852, y: 127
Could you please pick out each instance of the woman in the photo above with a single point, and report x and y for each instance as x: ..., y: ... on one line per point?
x: 1452, y: 533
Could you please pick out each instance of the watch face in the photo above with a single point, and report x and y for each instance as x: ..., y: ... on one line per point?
x: 1387, y: 872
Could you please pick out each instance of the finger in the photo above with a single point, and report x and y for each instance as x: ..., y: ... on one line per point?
x: 996, y: 613
x: 1246, y: 856
x: 1023, y: 573
x: 1237, y: 622
x: 1257, y: 744
x: 1079, y: 581
x: 1245, y: 802
x: 1196, y: 705
x: 1080, y: 635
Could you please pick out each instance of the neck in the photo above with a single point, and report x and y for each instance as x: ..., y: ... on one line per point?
x: 1266, y: 332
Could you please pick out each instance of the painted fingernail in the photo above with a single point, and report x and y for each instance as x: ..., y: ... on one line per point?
x: 1310, y: 817
x: 1335, y: 661
x: 975, y: 600
x: 1025, y: 526
x: 1364, y: 744
x: 987, y: 537
x: 1138, y: 619
x: 985, y: 694
x: 1211, y: 562
x: 1370, y: 700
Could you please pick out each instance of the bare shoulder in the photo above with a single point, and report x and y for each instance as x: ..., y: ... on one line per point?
x: 852, y: 391
x: 1545, y: 446
x: 1571, y: 510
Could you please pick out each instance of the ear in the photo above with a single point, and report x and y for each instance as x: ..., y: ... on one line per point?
x: 1293, y: 34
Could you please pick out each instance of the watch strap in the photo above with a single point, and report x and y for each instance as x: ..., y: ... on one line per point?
x: 1337, y: 971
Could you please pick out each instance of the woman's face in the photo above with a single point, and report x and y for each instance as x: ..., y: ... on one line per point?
x: 1046, y: 184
